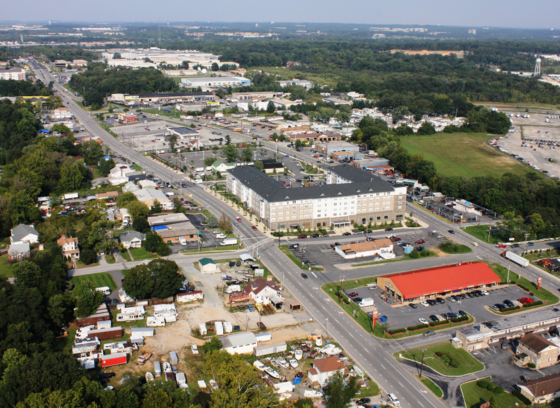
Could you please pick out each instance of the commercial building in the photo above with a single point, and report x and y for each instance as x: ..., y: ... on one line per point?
x: 296, y: 82
x: 251, y: 96
x: 313, y: 137
x: 215, y: 82
x: 239, y: 343
x: 127, y: 118
x: 516, y: 326
x: 535, y: 349
x: 208, y: 265
x: 438, y: 281
x: 379, y: 247
x: 541, y: 390
x: 171, y: 97
x: 350, y: 196
x: 371, y: 164
x: 149, y: 196
x: 13, y: 73
x: 172, y: 227
x: 271, y: 166
x: 329, y: 148
x: 184, y: 133
x: 347, y: 156
x: 264, y: 292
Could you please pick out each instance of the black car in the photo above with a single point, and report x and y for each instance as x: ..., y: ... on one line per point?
x: 325, y: 235
x: 346, y: 234
x: 440, y: 301
x: 434, y: 318
x: 429, y: 333
x: 369, y: 231
x: 451, y: 232
x: 315, y: 236
x: 462, y: 313
x: 508, y: 303
x: 294, y: 246
x: 515, y: 246
x: 412, y: 305
x: 357, y: 299
x: 364, y: 401
x: 304, y: 276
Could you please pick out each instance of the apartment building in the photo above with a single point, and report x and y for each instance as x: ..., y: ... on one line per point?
x: 350, y: 196
x: 13, y: 73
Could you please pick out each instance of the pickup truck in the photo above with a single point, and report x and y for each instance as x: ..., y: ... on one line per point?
x: 144, y: 357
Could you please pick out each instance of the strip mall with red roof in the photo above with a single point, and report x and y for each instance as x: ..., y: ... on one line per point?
x: 438, y: 282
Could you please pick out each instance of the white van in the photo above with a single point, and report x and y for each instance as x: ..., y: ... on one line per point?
x: 394, y: 400
x: 182, y: 241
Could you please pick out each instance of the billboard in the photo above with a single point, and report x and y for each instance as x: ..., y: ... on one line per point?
x: 212, y: 103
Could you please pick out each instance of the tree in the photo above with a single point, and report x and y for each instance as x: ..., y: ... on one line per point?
x: 137, y: 209
x: 270, y: 107
x: 27, y: 273
x: 105, y: 166
x: 88, y: 298
x: 426, y: 129
x: 231, y: 153
x: 172, y: 141
x: 215, y: 66
x: 160, y: 279
x: 88, y: 256
x: 163, y: 250
x: 299, y: 143
x: 212, y: 222
x: 225, y: 224
x: 117, y: 55
x: 259, y: 165
x: 152, y: 241
x: 185, y: 65
x: 156, y: 207
x: 247, y: 154
x: 208, y: 161
x: 70, y: 177
x: 213, y: 345
x: 228, y: 140
x: 126, y: 198
x: 141, y: 224
x: 339, y: 394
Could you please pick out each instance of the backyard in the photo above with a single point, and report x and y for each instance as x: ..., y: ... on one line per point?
x: 97, y: 279
x: 463, y: 154
x: 139, y: 254
x: 5, y: 267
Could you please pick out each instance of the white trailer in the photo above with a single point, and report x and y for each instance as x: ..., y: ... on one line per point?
x: 143, y: 331
x: 157, y: 368
x: 366, y: 302
x: 127, y: 317
x: 155, y: 321
x: 202, y: 329
x: 71, y: 196
x: 199, y: 169
x: 131, y: 310
x: 519, y: 260
x: 229, y: 241
x: 165, y: 307
x: 182, y: 380
x: 228, y: 328
x: 219, y: 328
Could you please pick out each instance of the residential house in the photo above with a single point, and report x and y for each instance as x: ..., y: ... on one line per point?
x: 131, y: 239
x: 69, y: 247
x: 324, y: 368
x: 222, y: 167
x: 535, y: 349
x: 130, y: 187
x: 149, y: 196
x: 207, y: 265
x: 24, y: 233
x: 264, y: 292
x: 541, y: 390
x: 119, y: 174
x: 19, y: 251
x: 239, y: 343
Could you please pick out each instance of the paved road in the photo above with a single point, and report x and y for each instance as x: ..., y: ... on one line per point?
x: 373, y: 354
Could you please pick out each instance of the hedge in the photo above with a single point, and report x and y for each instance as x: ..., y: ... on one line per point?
x: 396, y: 331
x: 432, y: 324
x: 460, y: 319
x: 418, y: 327
x: 507, y: 309
x: 537, y: 303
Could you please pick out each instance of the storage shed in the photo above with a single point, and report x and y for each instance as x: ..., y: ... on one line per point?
x: 207, y: 265
x: 273, y: 348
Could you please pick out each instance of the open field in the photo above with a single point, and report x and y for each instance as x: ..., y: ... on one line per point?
x: 458, y: 54
x: 463, y: 154
x: 98, y: 279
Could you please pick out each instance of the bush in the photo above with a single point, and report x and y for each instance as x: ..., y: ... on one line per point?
x: 537, y: 303
x: 499, y: 389
x: 460, y: 319
x: 531, y: 365
x: 88, y: 256
x: 396, y: 331
x: 483, y: 383
x: 491, y: 387
x: 163, y: 250
x: 414, y: 254
x: 433, y: 324
x: 507, y: 309
x: 454, y: 363
x: 426, y: 253
x: 417, y: 327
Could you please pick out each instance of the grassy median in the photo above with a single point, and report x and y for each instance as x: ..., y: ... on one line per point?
x: 445, y: 359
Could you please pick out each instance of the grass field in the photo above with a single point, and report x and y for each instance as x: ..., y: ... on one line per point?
x: 474, y: 396
x: 432, y: 387
x: 98, y: 280
x: 463, y: 154
x: 481, y: 232
x: 5, y: 267
x: 139, y: 254
x: 466, y: 363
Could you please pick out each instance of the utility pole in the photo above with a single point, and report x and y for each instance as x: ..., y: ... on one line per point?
x: 507, y: 279
x: 422, y: 364
x: 340, y: 289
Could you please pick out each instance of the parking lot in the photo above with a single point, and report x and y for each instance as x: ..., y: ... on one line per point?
x: 316, y: 253
x: 404, y: 316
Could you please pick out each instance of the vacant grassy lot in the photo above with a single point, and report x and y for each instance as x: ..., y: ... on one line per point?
x: 474, y: 396
x: 463, y: 154
x: 481, y: 232
x: 5, y: 267
x: 465, y: 362
x: 139, y: 254
x: 98, y: 280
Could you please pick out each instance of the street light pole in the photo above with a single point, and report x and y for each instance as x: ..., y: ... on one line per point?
x: 422, y: 365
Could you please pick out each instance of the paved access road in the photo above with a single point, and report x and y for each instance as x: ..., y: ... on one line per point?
x: 373, y: 354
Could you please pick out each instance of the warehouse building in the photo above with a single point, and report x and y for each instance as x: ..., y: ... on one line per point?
x: 170, y: 97
x: 350, y: 196
x: 184, y: 133
x: 329, y: 148
x: 296, y: 82
x: 438, y: 282
x: 215, y: 82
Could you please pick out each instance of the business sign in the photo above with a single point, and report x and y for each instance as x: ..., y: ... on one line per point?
x: 375, y: 316
x: 212, y: 103
x: 539, y: 280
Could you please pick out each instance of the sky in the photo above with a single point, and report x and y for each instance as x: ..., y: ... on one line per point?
x: 475, y: 13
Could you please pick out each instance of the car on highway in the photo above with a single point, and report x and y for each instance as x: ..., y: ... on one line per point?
x: 236, y: 223
x: 358, y: 232
x: 424, y: 303
x: 474, y: 243
x: 388, y: 229
x: 420, y: 242
x: 254, y: 228
x: 304, y: 276
x: 501, y: 245
x: 216, y: 232
x: 423, y: 321
x: 515, y: 246
x: 315, y: 236
x: 302, y: 236
x: 429, y: 333
x: 530, y: 243
x: 451, y: 231
x: 238, y: 219
x: 183, y: 185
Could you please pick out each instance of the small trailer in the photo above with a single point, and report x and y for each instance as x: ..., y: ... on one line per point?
x: 173, y: 359
x: 157, y: 368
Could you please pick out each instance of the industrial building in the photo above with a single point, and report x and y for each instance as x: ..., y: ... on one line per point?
x: 252, y: 96
x: 438, y: 281
x: 170, y: 97
x: 296, y: 82
x: 350, y: 196
x: 215, y: 82
x: 329, y: 148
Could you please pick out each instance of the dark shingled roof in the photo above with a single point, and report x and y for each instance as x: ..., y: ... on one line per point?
x: 273, y: 191
x: 535, y: 342
x: 544, y: 385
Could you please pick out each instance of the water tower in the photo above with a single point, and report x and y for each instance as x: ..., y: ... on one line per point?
x: 537, y: 68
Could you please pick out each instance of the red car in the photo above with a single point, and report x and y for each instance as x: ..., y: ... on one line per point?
x: 501, y: 246
x: 283, y: 182
x: 302, y: 236
x: 238, y: 219
x: 353, y: 294
x: 395, y: 239
x: 254, y: 228
x: 420, y: 242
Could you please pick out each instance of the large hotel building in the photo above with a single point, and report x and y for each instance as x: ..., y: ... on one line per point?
x: 350, y: 196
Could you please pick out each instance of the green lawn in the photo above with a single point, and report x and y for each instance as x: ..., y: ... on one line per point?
x: 137, y: 167
x: 97, y: 279
x: 466, y: 363
x: 432, y: 387
x: 125, y: 255
x: 370, y: 391
x: 451, y: 248
x: 474, y: 396
x: 5, y: 267
x: 139, y: 254
x: 110, y: 259
x: 481, y: 232
x: 542, y: 293
x: 463, y: 154
x: 289, y: 254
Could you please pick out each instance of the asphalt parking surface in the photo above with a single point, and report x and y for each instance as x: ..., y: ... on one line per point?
x: 405, y: 316
x: 210, y: 240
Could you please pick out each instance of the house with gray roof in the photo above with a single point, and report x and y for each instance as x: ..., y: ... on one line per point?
x: 24, y: 233
x: 131, y: 239
x: 18, y: 252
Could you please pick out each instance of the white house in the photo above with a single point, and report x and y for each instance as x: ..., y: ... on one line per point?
x: 222, y: 167
x: 262, y: 291
x: 324, y: 368
x: 24, y: 233
x: 239, y: 343
x: 131, y: 239
x: 69, y: 247
x: 119, y: 174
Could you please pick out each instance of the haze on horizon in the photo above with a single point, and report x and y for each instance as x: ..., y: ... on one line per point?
x: 475, y: 13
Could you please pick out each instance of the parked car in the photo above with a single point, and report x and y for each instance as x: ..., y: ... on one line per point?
x: 254, y: 228
x: 429, y: 333
x: 434, y: 318
x: 353, y: 294
x: 388, y: 229
x: 412, y: 305
x: 462, y: 313
x: 424, y: 303
x: 302, y: 236
x: 420, y: 242
x: 422, y: 321
x: 346, y: 234
x: 294, y: 246
x: 315, y: 236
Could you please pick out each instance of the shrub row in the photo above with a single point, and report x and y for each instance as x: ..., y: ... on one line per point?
x: 396, y: 331
x: 460, y: 319
x: 537, y: 303
x: 432, y: 324
x: 418, y: 327
x: 490, y: 386
x: 507, y: 309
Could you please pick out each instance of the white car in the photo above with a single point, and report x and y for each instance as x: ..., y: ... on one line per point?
x: 424, y: 303
x: 484, y: 292
x: 220, y: 235
x: 394, y: 400
x: 423, y: 321
x: 216, y: 232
